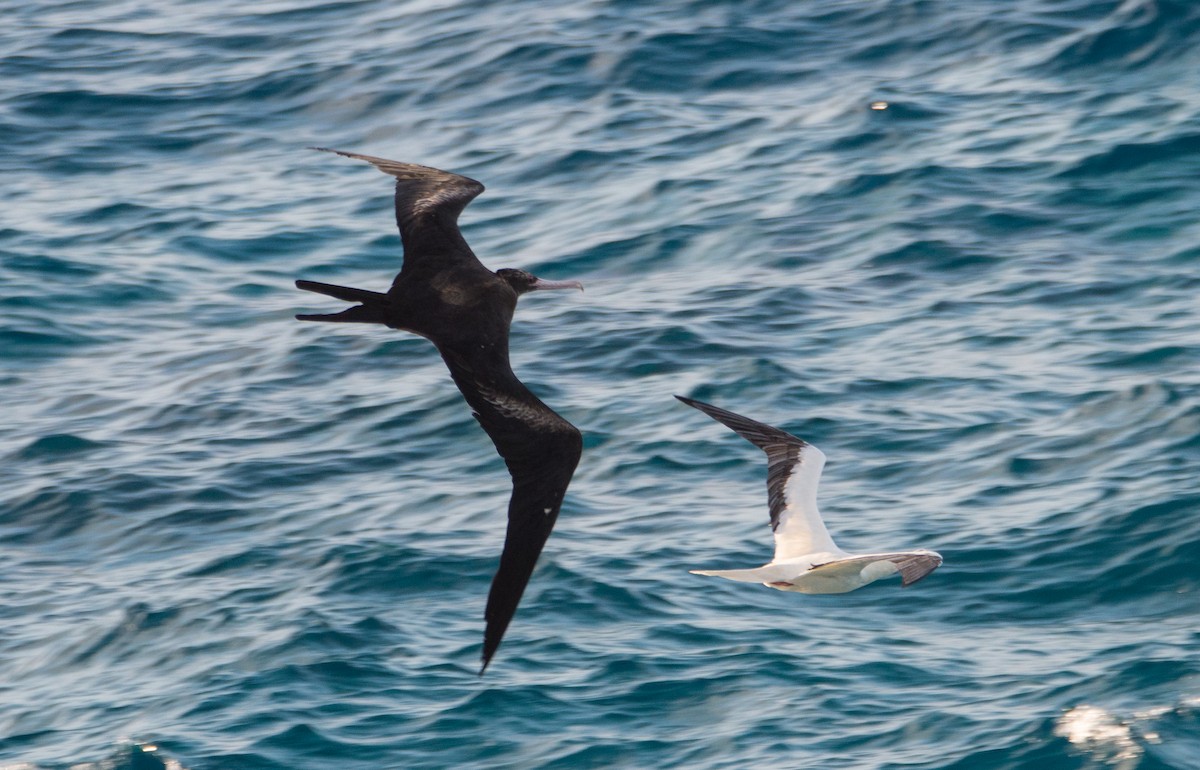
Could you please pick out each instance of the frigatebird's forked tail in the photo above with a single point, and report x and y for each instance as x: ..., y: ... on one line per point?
x: 370, y: 311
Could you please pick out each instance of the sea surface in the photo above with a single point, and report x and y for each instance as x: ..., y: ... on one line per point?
x: 233, y: 541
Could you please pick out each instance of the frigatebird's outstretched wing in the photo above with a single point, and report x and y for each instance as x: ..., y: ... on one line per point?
x: 541, y: 450
x: 428, y: 202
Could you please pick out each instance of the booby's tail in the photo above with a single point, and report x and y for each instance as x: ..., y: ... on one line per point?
x: 371, y: 311
x: 763, y: 574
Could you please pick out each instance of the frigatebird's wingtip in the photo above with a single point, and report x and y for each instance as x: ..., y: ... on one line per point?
x: 487, y: 655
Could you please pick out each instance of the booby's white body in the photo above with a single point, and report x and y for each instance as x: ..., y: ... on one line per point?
x: 827, y: 573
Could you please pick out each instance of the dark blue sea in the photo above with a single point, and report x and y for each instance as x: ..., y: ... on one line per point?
x: 956, y: 245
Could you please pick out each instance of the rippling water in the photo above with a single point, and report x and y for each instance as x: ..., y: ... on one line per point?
x: 231, y: 540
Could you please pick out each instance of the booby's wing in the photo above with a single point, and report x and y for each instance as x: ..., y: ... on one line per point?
x: 912, y: 565
x: 793, y: 472
x: 541, y: 450
x: 428, y: 202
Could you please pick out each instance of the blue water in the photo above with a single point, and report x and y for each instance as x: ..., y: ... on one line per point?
x: 232, y: 540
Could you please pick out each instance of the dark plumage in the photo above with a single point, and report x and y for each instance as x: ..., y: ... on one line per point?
x: 444, y: 294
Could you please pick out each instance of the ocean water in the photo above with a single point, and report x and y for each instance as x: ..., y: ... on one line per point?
x: 229, y: 540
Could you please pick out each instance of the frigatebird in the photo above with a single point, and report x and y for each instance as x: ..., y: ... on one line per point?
x: 806, y: 559
x: 444, y: 293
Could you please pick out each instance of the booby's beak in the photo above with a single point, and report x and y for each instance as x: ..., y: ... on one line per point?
x: 544, y: 284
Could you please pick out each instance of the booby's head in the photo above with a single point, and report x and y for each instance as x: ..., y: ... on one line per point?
x: 522, y: 281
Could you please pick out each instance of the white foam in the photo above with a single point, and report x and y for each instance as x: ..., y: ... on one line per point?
x: 1095, y: 730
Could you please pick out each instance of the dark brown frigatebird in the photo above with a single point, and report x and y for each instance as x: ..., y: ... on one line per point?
x: 445, y: 294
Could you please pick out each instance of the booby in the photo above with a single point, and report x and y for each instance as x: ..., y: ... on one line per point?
x: 806, y: 558
x: 444, y: 293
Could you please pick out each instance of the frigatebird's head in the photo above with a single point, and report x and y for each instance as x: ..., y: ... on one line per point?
x: 522, y: 281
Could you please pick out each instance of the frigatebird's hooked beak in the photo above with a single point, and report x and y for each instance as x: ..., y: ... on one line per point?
x: 542, y: 283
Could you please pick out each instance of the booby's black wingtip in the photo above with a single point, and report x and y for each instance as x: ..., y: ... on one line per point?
x: 343, y: 153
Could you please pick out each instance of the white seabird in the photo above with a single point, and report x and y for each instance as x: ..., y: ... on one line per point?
x: 806, y: 558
